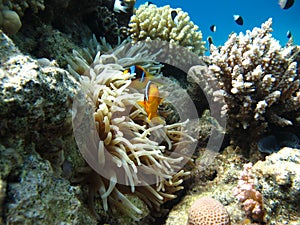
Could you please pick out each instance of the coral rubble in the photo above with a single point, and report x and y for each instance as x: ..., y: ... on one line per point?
x: 259, y: 82
x: 152, y: 22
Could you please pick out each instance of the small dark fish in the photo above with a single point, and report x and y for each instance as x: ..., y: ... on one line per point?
x: 238, y: 19
x: 150, y: 3
x: 286, y: 4
x: 210, y: 40
x: 213, y: 28
x: 174, y: 16
x: 289, y: 34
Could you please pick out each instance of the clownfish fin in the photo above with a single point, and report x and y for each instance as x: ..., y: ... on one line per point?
x: 161, y: 100
x: 157, y: 120
x: 141, y: 103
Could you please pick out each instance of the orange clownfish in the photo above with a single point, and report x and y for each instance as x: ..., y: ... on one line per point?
x: 151, y: 100
x: 142, y: 77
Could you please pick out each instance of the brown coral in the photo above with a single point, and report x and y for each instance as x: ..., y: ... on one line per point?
x: 206, y: 211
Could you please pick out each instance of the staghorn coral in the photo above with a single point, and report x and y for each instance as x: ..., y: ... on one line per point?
x: 247, y: 194
x: 131, y: 154
x: 151, y: 22
x: 207, y: 210
x: 259, y: 82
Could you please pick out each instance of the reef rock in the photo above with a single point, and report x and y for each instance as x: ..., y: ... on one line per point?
x: 278, y: 178
x: 37, y: 196
x: 36, y: 131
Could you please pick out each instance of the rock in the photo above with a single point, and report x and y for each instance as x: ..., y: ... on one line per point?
x: 278, y: 178
x: 36, y: 102
x: 40, y: 197
x: 36, y: 135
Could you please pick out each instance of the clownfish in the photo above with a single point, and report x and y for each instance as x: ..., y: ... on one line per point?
x: 142, y: 77
x: 151, y: 101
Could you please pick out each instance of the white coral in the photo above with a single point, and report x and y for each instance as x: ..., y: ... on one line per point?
x: 258, y: 76
x: 152, y: 22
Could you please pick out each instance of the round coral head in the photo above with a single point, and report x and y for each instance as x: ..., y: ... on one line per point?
x: 206, y: 211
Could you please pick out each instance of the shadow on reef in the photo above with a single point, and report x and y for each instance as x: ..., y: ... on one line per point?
x: 180, y: 77
x: 63, y: 26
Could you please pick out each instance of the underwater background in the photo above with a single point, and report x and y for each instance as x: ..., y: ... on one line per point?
x: 120, y: 112
x: 255, y: 12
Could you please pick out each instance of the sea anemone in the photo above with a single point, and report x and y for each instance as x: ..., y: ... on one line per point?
x: 129, y: 152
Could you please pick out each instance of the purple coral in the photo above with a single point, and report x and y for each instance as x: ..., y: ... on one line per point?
x: 246, y: 193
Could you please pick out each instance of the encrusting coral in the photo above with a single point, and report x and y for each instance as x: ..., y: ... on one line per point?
x: 152, y: 22
x: 259, y: 81
x: 247, y: 194
x: 138, y: 156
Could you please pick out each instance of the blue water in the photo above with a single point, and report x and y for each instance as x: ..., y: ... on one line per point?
x: 254, y: 13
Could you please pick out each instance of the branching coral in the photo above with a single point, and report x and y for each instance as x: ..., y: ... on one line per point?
x: 151, y: 22
x: 130, y: 153
x: 258, y: 80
